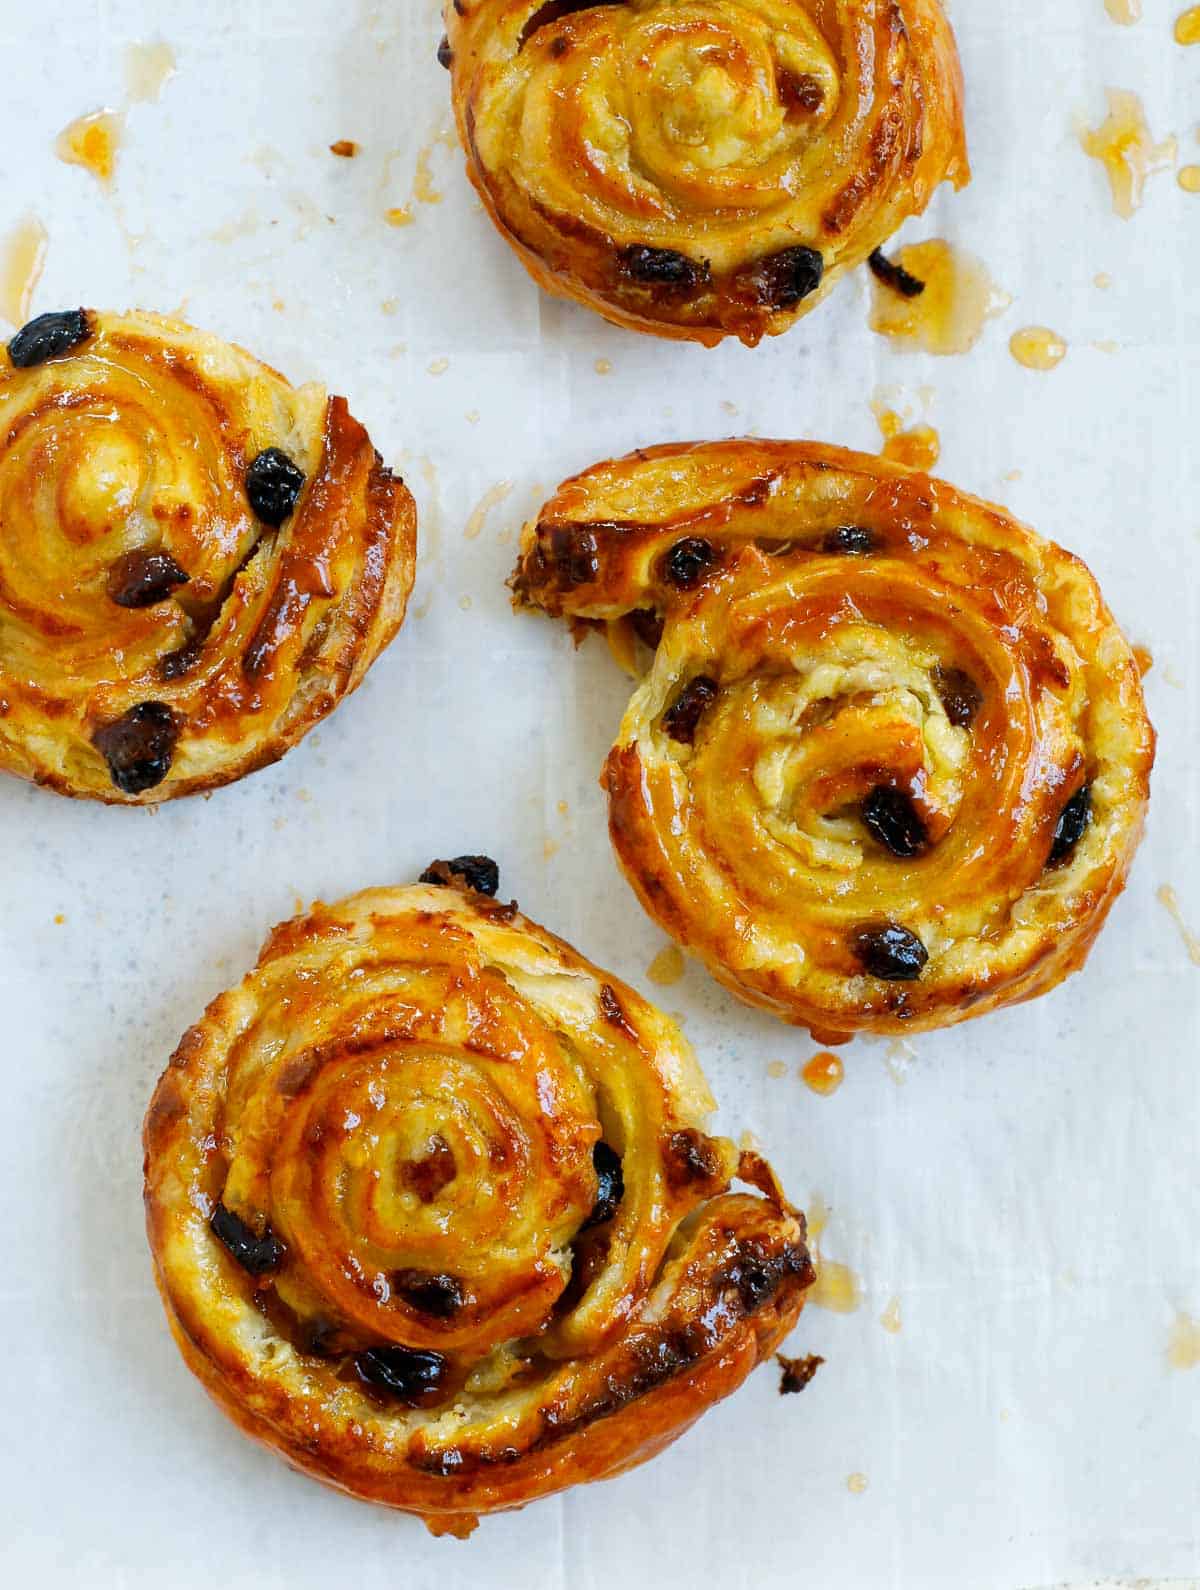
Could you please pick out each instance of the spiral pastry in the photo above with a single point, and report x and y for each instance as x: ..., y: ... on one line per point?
x: 197, y: 560
x: 435, y: 1216
x: 889, y: 763
x: 703, y: 168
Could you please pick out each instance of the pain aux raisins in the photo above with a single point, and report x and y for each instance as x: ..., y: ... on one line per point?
x: 141, y: 578
x: 891, y: 952
x: 664, y: 268
x: 894, y: 821
x: 480, y: 873
x: 256, y: 1255
x: 273, y: 484
x: 781, y: 281
x: 49, y: 336
x: 687, y: 561
x: 410, y: 1376
x: 610, y: 1185
x: 1072, y: 825
x: 895, y: 276
x: 139, y: 746
x: 439, y: 1296
x: 682, y: 718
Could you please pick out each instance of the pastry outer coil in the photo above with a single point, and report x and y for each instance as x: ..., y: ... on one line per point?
x: 704, y: 168
x: 157, y: 636
x: 477, y: 1243
x: 888, y: 763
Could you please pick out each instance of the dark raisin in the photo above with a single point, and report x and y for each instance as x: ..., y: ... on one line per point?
x: 783, y: 280
x: 687, y: 560
x: 48, y: 336
x: 647, y: 626
x: 575, y: 550
x: 174, y: 664
x: 892, y: 818
x: 1076, y: 816
x: 273, y: 483
x: 478, y: 872
x: 682, y: 718
x: 610, y: 1185
x: 891, y: 952
x: 445, y: 55
x: 139, y: 746
x: 139, y: 579
x: 440, y: 1296
x: 411, y: 1376
x: 547, y: 14
x: 756, y: 1276
x: 689, y: 1156
x: 797, y: 1372
x: 895, y: 276
x: 960, y: 695
x: 850, y: 540
x: 256, y: 1254
x: 663, y: 267
x: 801, y: 92
x: 434, y: 1170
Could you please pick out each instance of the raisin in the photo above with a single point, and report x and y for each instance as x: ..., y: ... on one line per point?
x: 258, y: 1255
x: 663, y: 267
x: 546, y: 15
x: 436, y: 1169
x: 440, y: 1296
x: 780, y: 281
x: 687, y: 560
x: 647, y: 625
x: 1076, y: 815
x: 797, y: 1372
x: 445, y: 55
x: 478, y: 872
x: 895, y: 276
x: 139, y: 746
x: 174, y: 664
x: 273, y: 483
x: 576, y: 554
x: 48, y: 336
x: 610, y: 1185
x: 682, y: 718
x: 894, y: 821
x: 800, y: 92
x: 850, y: 540
x: 689, y: 1156
x: 140, y: 579
x: 891, y: 952
x: 960, y: 695
x: 411, y: 1376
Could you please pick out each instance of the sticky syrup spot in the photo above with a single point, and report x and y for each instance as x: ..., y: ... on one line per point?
x: 777, y: 1069
x: 960, y: 297
x: 21, y: 262
x: 667, y: 967
x: 92, y: 142
x: 1124, y: 146
x: 824, y: 1073
x: 856, y: 1483
x: 919, y: 447
x: 890, y: 1318
x: 1189, y: 179
x: 490, y: 499
x: 836, y: 1287
x: 1037, y: 348
x: 1144, y: 660
x: 345, y: 148
x: 1183, y: 1348
x: 400, y: 216
x: 148, y: 70
x: 1168, y: 898
x: 1125, y: 12
x: 1187, y: 27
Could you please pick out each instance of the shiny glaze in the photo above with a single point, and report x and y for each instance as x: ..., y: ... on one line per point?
x: 136, y: 444
x: 663, y: 165
x: 406, y: 1093
x: 834, y: 673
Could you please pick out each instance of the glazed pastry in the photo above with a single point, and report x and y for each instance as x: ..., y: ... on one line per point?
x: 435, y: 1215
x: 703, y: 168
x: 888, y: 765
x: 198, y: 560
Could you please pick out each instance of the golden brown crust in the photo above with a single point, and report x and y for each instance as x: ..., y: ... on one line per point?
x: 873, y: 702
x: 663, y: 160
x: 402, y: 1102
x: 134, y: 446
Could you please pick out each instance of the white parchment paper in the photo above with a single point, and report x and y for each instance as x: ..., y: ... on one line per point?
x: 1026, y: 1186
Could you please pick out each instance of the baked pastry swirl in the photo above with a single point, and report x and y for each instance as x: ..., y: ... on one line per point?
x: 435, y: 1216
x: 889, y: 763
x: 197, y: 562
x: 704, y: 168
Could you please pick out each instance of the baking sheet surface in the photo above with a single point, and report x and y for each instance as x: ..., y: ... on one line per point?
x: 1025, y: 1187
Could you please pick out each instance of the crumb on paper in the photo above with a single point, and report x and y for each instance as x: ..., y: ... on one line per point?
x: 345, y: 148
x: 856, y: 1484
x: 464, y: 602
x: 439, y: 366
x: 603, y: 366
x: 797, y: 1373
x: 777, y: 1069
x: 59, y: 919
